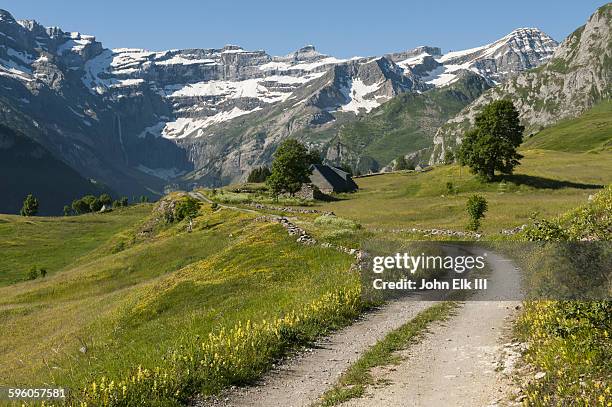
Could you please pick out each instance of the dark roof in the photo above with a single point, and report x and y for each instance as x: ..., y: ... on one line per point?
x: 345, y: 175
x: 339, y: 179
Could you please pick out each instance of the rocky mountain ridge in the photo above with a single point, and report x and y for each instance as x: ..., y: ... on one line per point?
x: 138, y: 120
x: 577, y: 76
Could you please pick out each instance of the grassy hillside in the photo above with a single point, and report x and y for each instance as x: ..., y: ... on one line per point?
x: 54, y: 243
x: 547, y: 182
x: 591, y: 131
x: 407, y: 122
x: 150, y: 289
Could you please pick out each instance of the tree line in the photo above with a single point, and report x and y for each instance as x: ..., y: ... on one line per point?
x: 86, y: 204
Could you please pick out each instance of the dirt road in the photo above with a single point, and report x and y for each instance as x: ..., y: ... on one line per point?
x: 455, y: 365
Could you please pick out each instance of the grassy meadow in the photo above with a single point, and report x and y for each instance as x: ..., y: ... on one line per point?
x: 546, y: 182
x: 562, y: 165
x: 590, y: 132
x: 136, y: 309
x: 56, y: 242
x: 150, y: 289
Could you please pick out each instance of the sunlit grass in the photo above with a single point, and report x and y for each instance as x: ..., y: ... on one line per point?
x: 133, y: 306
x: 546, y: 183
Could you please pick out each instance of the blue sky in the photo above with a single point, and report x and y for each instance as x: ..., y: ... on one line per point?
x: 338, y: 27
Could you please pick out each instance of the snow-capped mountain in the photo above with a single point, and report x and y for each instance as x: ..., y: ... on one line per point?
x: 136, y: 119
x: 518, y: 51
x: 576, y: 77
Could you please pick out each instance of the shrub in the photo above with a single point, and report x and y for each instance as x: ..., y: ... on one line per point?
x: 476, y: 208
x: 95, y: 205
x: 33, y: 273
x: 30, y: 206
x: 105, y: 199
x: 186, y: 208
x: 401, y: 163
x: 570, y: 340
x: 449, y: 157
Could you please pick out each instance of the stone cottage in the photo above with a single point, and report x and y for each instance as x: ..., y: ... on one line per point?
x: 331, y: 179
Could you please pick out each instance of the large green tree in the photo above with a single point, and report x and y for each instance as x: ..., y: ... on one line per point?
x: 491, y: 145
x: 290, y: 168
x: 30, y: 206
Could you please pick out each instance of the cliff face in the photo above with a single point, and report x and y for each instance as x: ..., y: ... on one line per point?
x: 577, y: 76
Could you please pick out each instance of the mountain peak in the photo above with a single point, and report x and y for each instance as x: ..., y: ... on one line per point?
x: 307, y: 48
x: 529, y: 33
x: 6, y: 16
x: 232, y: 48
x: 305, y: 53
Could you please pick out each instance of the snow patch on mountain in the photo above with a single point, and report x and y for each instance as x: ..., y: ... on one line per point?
x: 192, y: 127
x: 359, y: 96
x: 522, y: 49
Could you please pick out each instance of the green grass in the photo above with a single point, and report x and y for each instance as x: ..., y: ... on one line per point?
x: 55, y: 242
x: 407, y: 122
x: 546, y: 182
x: 234, y: 198
x: 132, y: 300
x: 591, y: 131
x: 357, y: 377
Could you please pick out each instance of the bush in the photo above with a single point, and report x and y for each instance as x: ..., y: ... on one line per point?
x: 476, y: 208
x: 79, y: 206
x: 186, y: 208
x: 449, y: 157
x: 30, y: 206
x: 33, y: 273
x: 570, y: 340
x: 95, y: 205
x: 36, y: 272
x: 401, y: 163
x: 105, y: 199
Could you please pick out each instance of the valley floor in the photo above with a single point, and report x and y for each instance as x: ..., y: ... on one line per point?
x: 130, y: 283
